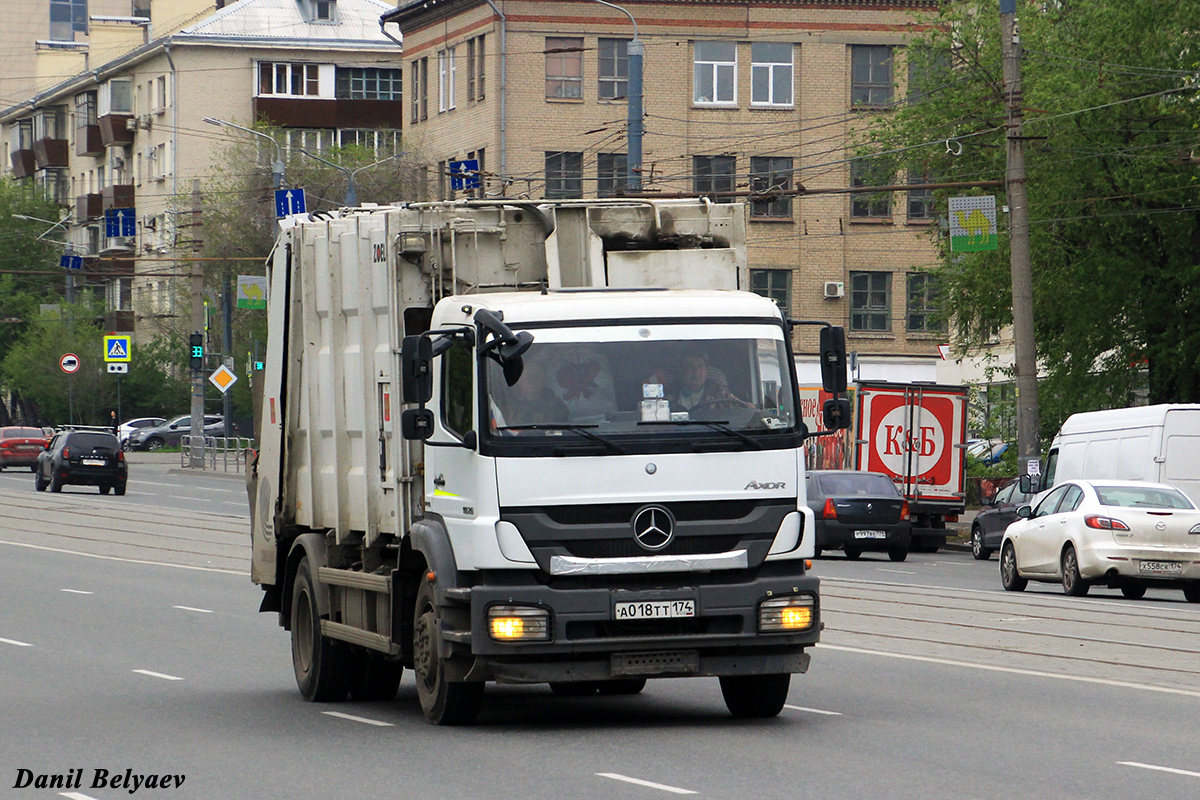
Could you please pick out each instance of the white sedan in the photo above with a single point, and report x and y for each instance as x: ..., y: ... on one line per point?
x: 1118, y: 534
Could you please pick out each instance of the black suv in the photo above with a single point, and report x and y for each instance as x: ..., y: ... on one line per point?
x: 82, y: 458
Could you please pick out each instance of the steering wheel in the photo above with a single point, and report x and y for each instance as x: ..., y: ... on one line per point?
x: 720, y: 403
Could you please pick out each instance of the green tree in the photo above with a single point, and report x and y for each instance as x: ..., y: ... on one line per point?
x: 1111, y: 96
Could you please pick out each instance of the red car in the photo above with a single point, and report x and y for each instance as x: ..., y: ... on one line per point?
x: 19, y: 446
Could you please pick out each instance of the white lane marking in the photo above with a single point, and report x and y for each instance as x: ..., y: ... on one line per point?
x: 363, y: 720
x: 157, y: 675
x: 1171, y: 770
x: 126, y: 560
x: 241, y: 504
x: 75, y: 591
x: 177, y: 497
x: 897, y: 571
x: 76, y: 796
x: 1014, y: 670
x: 208, y: 489
x: 647, y: 784
x: 814, y: 711
x: 15, y: 643
x: 189, y: 608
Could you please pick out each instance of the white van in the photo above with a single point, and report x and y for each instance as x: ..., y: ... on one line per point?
x: 1159, y: 443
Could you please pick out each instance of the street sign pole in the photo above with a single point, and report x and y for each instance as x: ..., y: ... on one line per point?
x: 71, y: 397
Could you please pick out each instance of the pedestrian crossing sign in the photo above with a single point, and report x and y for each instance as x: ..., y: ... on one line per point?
x: 116, y: 348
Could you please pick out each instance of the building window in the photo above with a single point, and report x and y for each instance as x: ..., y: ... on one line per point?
x: 369, y: 83
x: 712, y: 174
x: 85, y: 110
x: 420, y: 89
x: 870, y: 301
x: 877, y: 205
x: 49, y: 123
x: 926, y: 73
x: 564, y: 175
x: 314, y: 140
x: 773, y: 176
x: 117, y: 97
x: 160, y: 94
x: 613, y: 69
x: 67, y: 17
x: 21, y: 135
x: 920, y: 201
x: 714, y: 77
x: 447, y: 71
x: 564, y: 68
x: 475, y: 72
x: 923, y: 303
x: 870, y: 75
x: 612, y: 172
x: 383, y: 142
x: 771, y: 74
x: 288, y: 80
x: 775, y: 284
x: 323, y: 10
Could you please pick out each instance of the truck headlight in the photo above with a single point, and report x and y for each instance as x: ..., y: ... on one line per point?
x: 786, y: 614
x: 518, y: 623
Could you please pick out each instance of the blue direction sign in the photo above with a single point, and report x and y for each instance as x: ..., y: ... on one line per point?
x: 71, y: 262
x: 289, y: 201
x: 464, y: 174
x: 116, y: 348
x: 119, y: 222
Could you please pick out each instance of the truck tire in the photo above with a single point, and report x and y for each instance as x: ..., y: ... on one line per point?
x: 374, y: 677
x: 444, y: 702
x: 755, y: 696
x: 319, y: 662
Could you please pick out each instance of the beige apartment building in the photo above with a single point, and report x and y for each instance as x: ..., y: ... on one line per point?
x: 738, y: 96
x: 122, y: 126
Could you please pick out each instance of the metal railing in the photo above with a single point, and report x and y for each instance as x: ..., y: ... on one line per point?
x: 224, y: 452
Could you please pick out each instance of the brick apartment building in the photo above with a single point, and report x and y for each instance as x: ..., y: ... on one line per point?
x: 737, y: 96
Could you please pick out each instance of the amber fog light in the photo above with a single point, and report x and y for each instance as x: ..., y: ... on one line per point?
x: 518, y: 624
x: 785, y: 614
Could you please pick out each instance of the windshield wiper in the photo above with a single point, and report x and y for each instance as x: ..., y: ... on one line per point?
x: 716, y: 425
x: 582, y: 430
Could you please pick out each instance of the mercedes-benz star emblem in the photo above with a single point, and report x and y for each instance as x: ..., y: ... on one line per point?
x: 653, y: 527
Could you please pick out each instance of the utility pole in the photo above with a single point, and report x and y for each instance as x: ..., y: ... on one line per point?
x: 633, y: 118
x: 227, y: 347
x: 196, y: 450
x: 1024, y: 340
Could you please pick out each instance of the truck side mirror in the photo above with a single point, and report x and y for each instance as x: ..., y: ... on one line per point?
x: 833, y: 360
x: 416, y: 365
x: 1029, y: 484
x: 416, y: 423
x: 836, y: 414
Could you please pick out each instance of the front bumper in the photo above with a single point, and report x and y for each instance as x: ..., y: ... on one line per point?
x: 587, y: 643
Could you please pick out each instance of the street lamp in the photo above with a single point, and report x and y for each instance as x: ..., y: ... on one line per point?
x: 70, y: 279
x: 633, y: 119
x: 277, y: 167
x: 351, y: 191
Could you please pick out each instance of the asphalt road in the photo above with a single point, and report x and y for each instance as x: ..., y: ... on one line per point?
x: 131, y: 641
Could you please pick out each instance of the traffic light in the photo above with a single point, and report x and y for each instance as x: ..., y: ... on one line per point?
x: 197, y: 350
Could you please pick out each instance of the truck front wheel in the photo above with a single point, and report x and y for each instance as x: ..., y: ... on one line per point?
x: 444, y: 702
x: 755, y: 696
x: 319, y: 662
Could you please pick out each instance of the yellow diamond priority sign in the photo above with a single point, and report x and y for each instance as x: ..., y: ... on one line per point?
x: 222, y: 378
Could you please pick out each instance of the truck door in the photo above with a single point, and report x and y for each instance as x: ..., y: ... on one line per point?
x: 451, y: 480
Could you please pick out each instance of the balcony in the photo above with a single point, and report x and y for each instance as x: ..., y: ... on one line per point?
x: 49, y: 153
x: 118, y: 196
x: 114, y: 129
x: 118, y: 321
x: 23, y: 163
x: 299, y: 112
x: 89, y: 206
x: 88, y: 141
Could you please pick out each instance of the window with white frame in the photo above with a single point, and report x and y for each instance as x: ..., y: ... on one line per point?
x: 158, y: 161
x: 870, y: 75
x: 160, y: 94
x: 116, y: 97
x: 613, y: 69
x: 86, y: 109
x: 368, y: 83
x: 277, y: 79
x: 314, y: 140
x: 771, y: 74
x: 447, y: 72
x: 564, y: 68
x: 871, y: 301
x: 714, y: 76
x: 383, y: 142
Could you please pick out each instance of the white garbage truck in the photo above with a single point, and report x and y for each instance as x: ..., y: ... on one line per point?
x: 533, y: 442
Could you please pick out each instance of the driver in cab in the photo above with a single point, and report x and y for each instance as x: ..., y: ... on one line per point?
x: 700, y: 385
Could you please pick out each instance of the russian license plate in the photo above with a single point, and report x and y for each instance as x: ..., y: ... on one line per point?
x: 655, y: 609
x: 870, y: 534
x: 93, y: 462
x: 1160, y: 567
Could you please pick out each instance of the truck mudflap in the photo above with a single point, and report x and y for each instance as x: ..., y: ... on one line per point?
x: 587, y: 641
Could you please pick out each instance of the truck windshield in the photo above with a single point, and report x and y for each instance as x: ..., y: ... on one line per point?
x: 725, y: 382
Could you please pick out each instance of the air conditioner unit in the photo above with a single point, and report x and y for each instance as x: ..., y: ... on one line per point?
x: 834, y: 289
x: 118, y: 162
x: 131, y: 124
x: 145, y: 121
